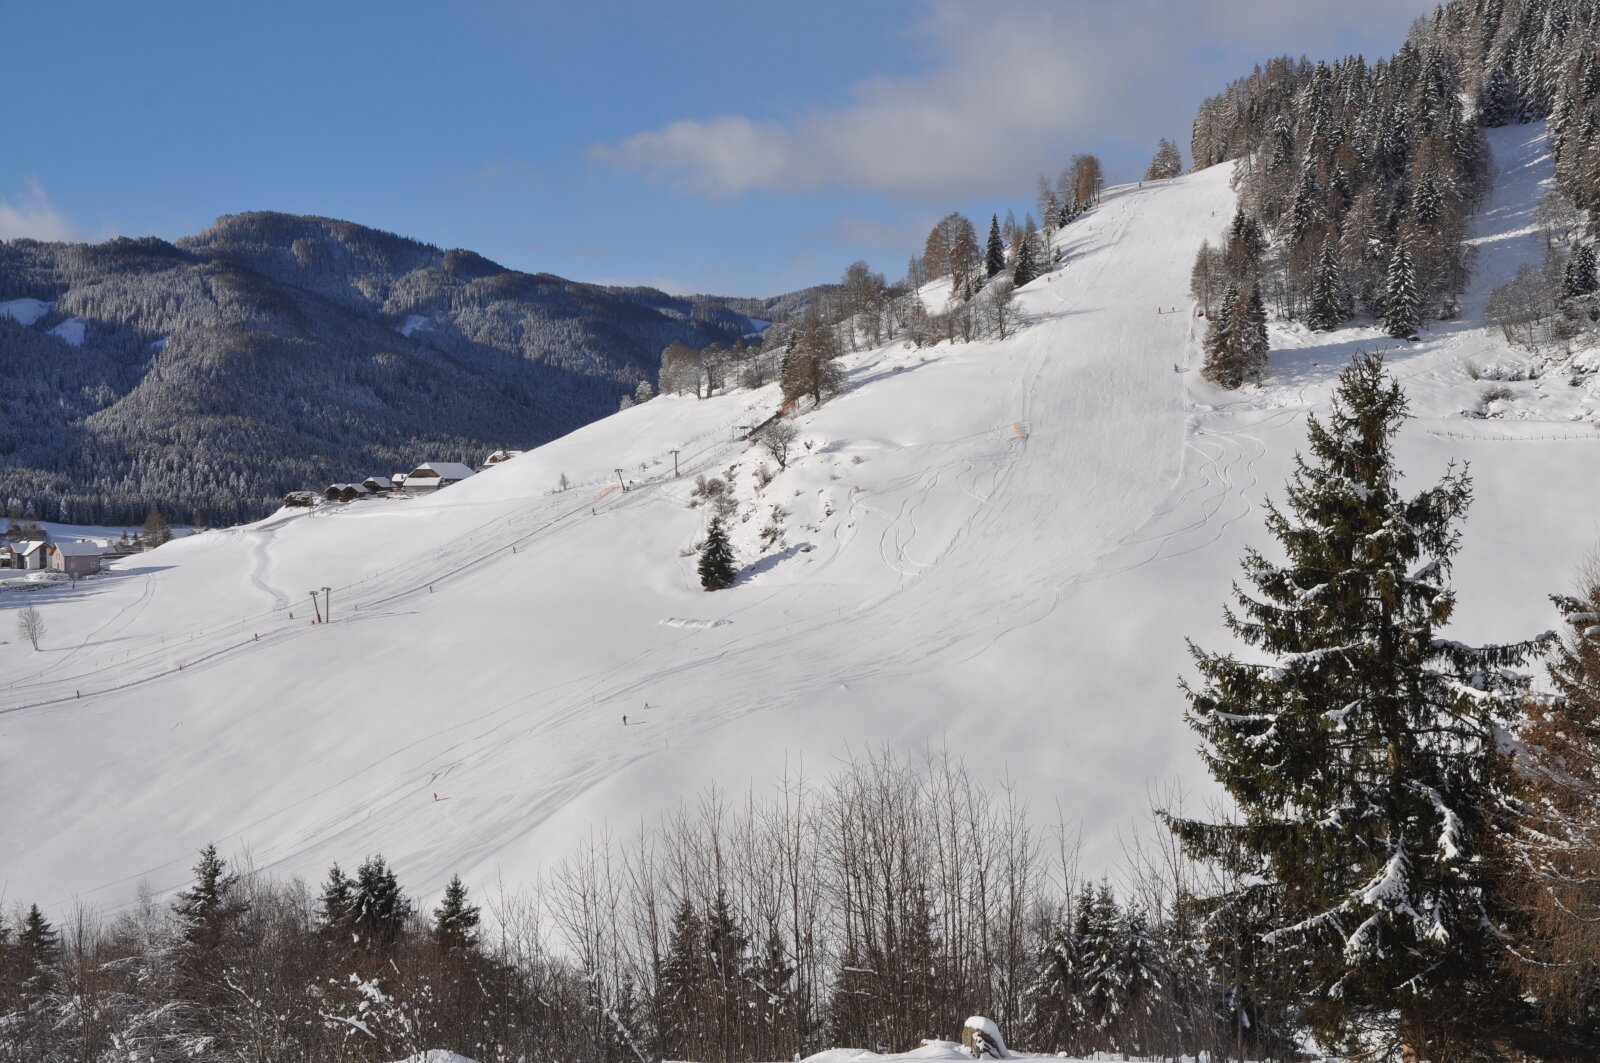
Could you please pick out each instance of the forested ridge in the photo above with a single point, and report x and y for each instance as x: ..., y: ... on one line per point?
x: 273, y: 352
x: 1356, y: 179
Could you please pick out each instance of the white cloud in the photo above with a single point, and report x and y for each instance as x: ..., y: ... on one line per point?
x: 32, y: 215
x: 1013, y: 86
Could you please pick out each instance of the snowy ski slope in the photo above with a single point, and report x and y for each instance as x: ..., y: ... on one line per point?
x: 997, y: 547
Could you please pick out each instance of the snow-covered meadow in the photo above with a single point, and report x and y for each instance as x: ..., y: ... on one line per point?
x: 996, y: 548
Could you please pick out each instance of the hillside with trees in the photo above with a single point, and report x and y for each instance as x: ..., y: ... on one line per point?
x: 1356, y: 179
x: 273, y: 352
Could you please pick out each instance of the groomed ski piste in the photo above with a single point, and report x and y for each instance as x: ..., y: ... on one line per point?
x: 995, y: 549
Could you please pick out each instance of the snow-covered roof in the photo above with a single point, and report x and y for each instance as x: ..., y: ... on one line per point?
x: 444, y: 470
x: 29, y: 547
x: 78, y: 549
x: 500, y: 455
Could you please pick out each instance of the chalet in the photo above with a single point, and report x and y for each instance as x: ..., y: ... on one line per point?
x: 432, y: 475
x: 29, y: 555
x: 378, y: 484
x: 498, y: 456
x: 75, y: 559
x: 345, y: 492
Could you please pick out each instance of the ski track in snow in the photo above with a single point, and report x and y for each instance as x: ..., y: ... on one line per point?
x: 1015, y: 539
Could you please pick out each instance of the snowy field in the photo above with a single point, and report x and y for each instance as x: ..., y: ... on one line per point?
x: 996, y: 548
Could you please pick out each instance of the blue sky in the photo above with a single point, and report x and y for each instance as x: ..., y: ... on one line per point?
x: 736, y: 148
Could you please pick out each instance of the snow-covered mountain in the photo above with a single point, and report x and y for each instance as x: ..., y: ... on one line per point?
x: 272, y: 353
x: 996, y: 548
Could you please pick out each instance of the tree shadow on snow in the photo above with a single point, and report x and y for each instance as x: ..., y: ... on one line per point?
x: 771, y: 561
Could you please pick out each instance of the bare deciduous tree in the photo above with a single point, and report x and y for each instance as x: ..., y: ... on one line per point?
x: 30, y: 626
x: 998, y: 308
x: 777, y: 439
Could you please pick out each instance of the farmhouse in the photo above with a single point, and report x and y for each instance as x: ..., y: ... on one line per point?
x: 498, y: 456
x: 346, y: 492
x: 75, y: 559
x: 29, y: 555
x: 432, y: 475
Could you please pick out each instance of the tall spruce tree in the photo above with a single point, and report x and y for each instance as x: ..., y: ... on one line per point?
x: 1580, y: 277
x: 1330, y: 303
x: 995, y: 259
x: 379, y: 907
x: 681, y: 986
x: 1402, y: 301
x: 717, y: 570
x: 1027, y: 268
x: 1251, y: 336
x: 37, y: 950
x: 336, y: 908
x: 1363, y: 756
x: 455, y: 921
x: 1051, y: 998
x: 1220, y: 366
x: 206, y: 914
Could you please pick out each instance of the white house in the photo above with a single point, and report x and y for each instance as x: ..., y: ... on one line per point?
x: 432, y: 475
x: 30, y: 554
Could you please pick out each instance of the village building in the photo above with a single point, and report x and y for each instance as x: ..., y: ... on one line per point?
x: 498, y: 456
x: 75, y: 559
x: 378, y: 484
x: 120, y: 547
x: 432, y: 475
x: 29, y: 556
x: 345, y: 492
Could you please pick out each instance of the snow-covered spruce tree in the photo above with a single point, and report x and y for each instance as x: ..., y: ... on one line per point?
x: 1363, y: 755
x: 717, y: 571
x: 1028, y: 253
x: 1251, y: 336
x: 206, y: 915
x: 336, y: 906
x: 1402, y: 303
x: 1220, y: 366
x: 1330, y: 303
x: 1236, y: 343
x: 455, y: 921
x: 379, y: 907
x: 680, y: 986
x: 1580, y: 277
x: 29, y: 1031
x: 1167, y: 163
x: 994, y: 260
x: 1051, y: 998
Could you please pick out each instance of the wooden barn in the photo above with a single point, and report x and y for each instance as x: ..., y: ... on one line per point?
x: 498, y: 456
x: 432, y: 475
x: 346, y: 492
